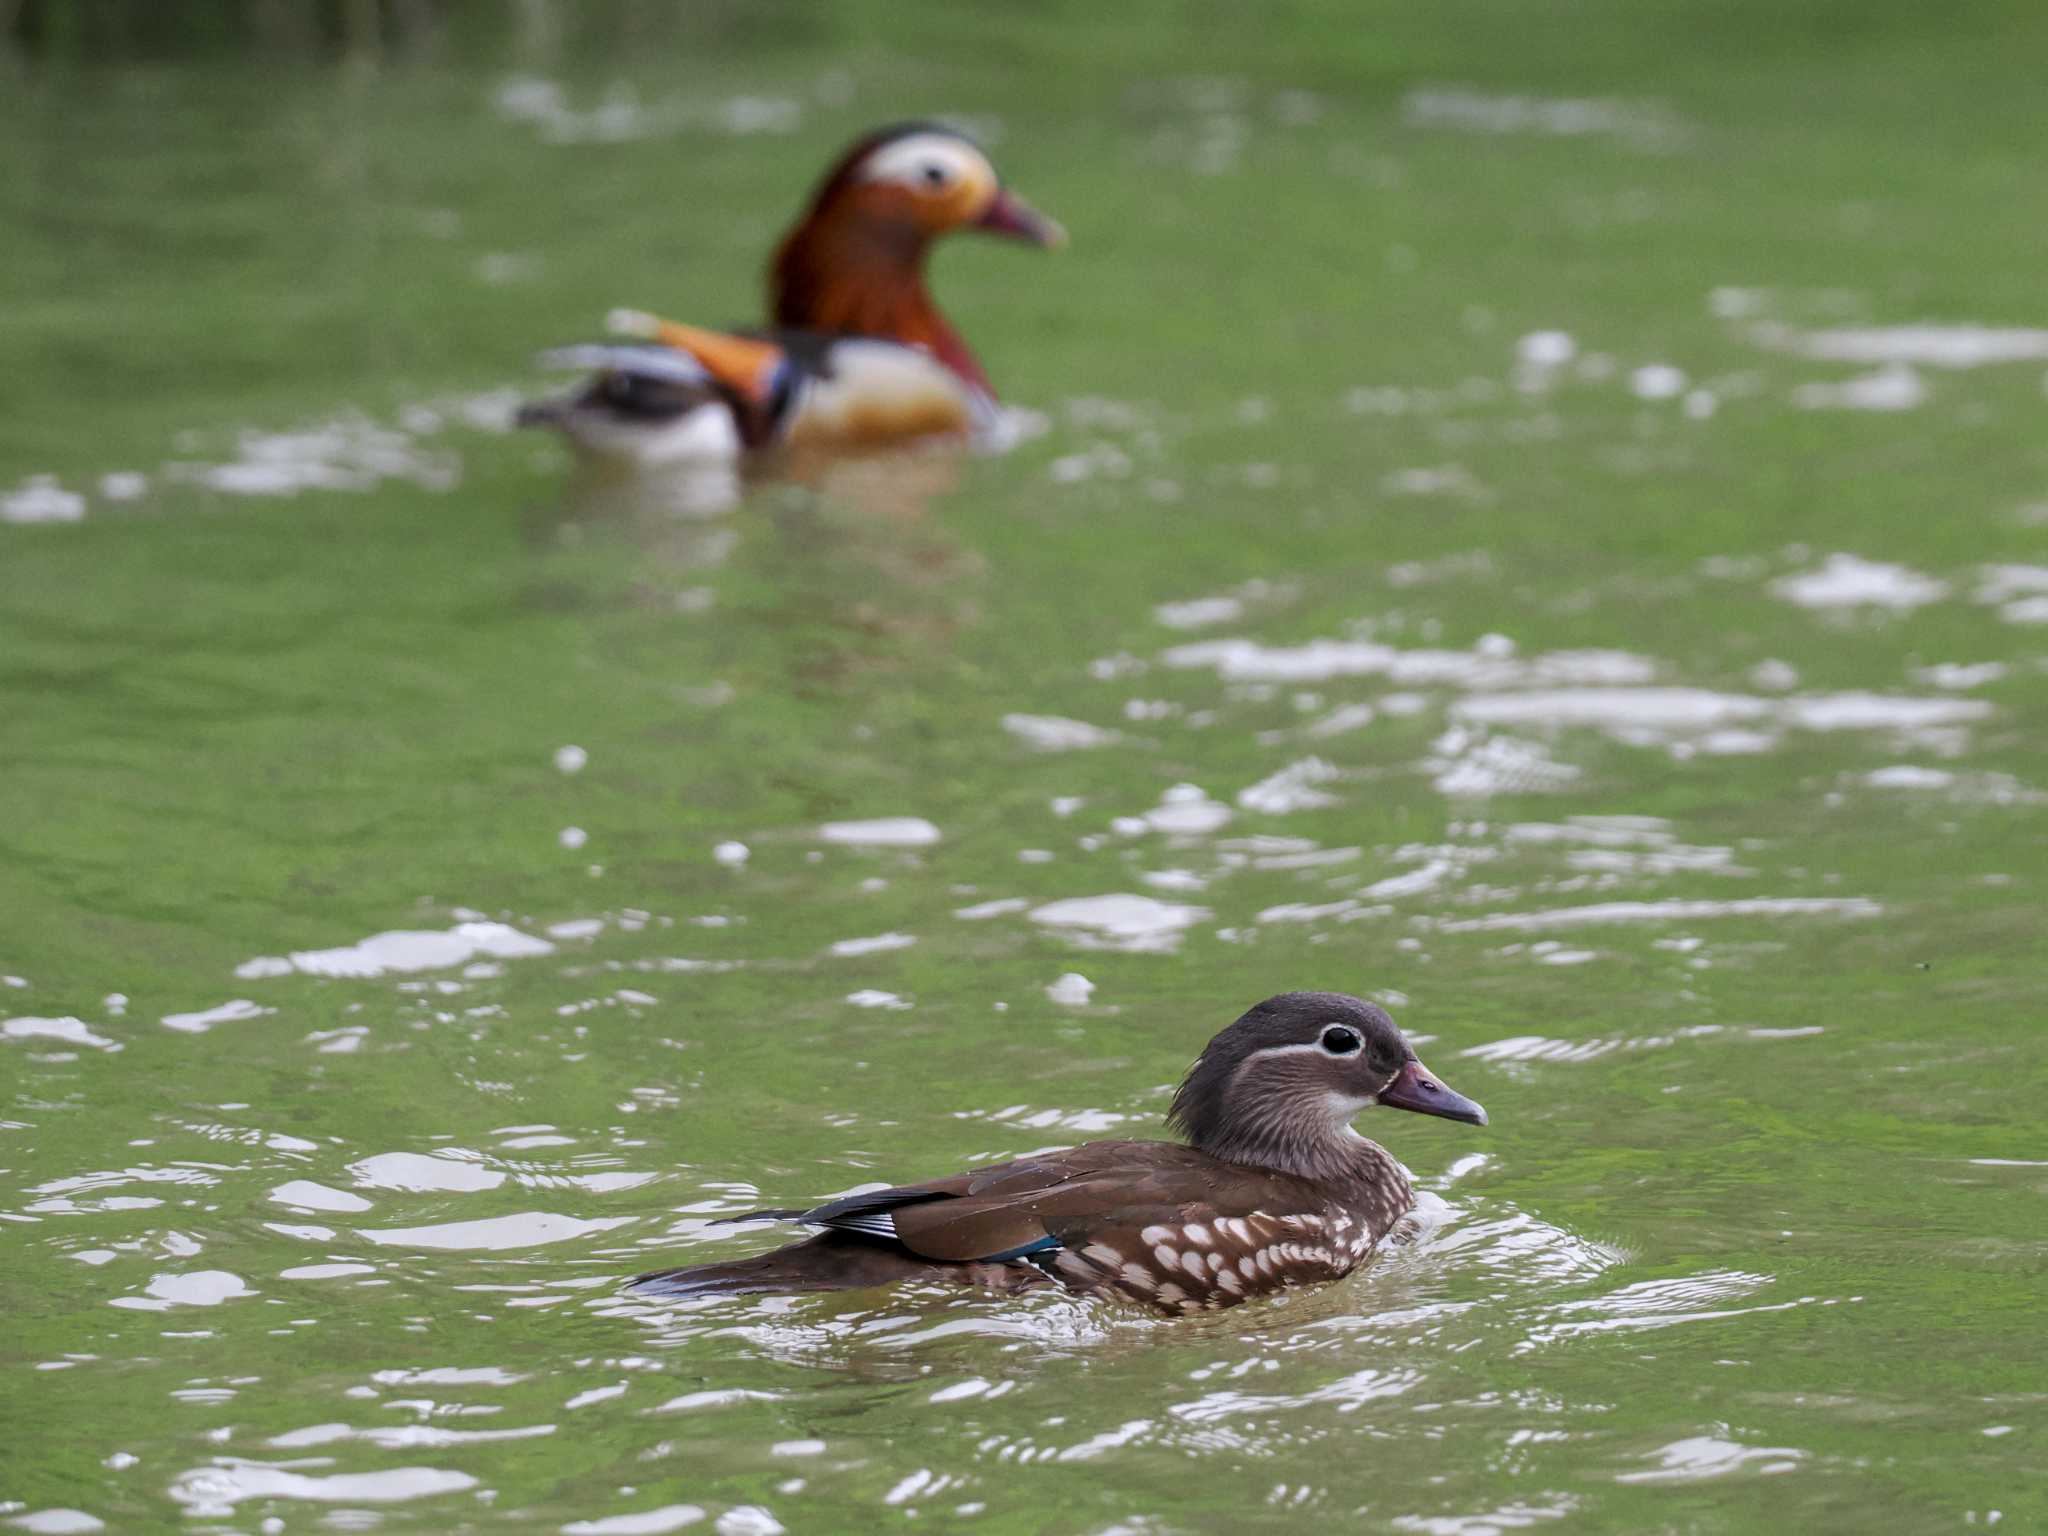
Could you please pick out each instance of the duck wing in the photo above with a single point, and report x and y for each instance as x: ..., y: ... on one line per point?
x: 1032, y: 1206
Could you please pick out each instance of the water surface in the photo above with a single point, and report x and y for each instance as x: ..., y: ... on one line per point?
x: 1552, y: 539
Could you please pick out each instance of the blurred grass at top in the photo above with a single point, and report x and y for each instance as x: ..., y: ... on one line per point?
x: 151, y: 284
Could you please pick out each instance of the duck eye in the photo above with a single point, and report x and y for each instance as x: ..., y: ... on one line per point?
x: 934, y: 175
x: 1339, y: 1041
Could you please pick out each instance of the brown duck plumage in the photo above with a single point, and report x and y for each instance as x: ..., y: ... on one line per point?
x: 1272, y: 1189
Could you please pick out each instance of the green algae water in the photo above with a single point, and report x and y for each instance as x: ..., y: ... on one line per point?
x: 1542, y: 525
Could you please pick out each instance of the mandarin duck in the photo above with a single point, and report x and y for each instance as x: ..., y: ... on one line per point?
x: 1273, y: 1187
x: 856, y: 353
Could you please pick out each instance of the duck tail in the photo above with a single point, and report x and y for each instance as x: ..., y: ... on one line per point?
x: 831, y: 1261
x: 748, y: 368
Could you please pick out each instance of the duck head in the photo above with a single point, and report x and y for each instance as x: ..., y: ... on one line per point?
x: 909, y: 184
x: 854, y: 263
x: 1280, y: 1086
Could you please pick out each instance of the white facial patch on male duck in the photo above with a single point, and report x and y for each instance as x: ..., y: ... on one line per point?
x: 931, y: 163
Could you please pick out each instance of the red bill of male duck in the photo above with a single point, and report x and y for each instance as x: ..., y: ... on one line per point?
x: 1271, y: 1188
x: 856, y: 354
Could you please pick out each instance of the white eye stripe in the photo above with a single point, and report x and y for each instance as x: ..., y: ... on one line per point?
x: 1312, y: 1048
x: 908, y: 161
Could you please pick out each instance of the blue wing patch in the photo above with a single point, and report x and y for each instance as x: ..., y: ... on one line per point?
x: 1044, y: 1245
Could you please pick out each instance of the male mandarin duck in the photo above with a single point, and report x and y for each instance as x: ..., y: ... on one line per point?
x: 856, y: 353
x: 1273, y: 1188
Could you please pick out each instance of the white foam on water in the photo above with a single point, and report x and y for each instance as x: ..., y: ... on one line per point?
x: 1997, y: 583
x: 1701, y: 1457
x: 348, y: 453
x: 1546, y: 349
x: 1847, y: 581
x: 870, y: 997
x: 1894, y: 387
x: 1774, y: 676
x: 571, y: 759
x: 1340, y: 721
x: 325, y: 1271
x: 448, y: 1376
x: 1932, y: 346
x: 1199, y: 612
x: 1657, y: 381
x: 198, y: 1288
x: 495, y: 1234
x: 1689, y: 717
x: 1516, y: 1516
x: 646, y: 1522
x: 214, y: 1491
x: 70, y: 1031
x: 1072, y: 990
x: 1436, y: 480
x: 1906, y: 776
x: 1673, y: 910
x: 620, y: 116
x: 1670, y: 859
x: 1994, y: 788
x: 1960, y: 674
x: 1426, y: 878
x: 304, y: 1194
x: 40, y: 499
x: 1469, y: 764
x: 1309, y: 912
x: 394, y: 1437
x: 1601, y: 831
x: 983, y: 910
x: 58, y: 1522
x: 881, y: 832
x: 1470, y: 109
x: 874, y: 945
x: 732, y: 854
x: 1055, y: 733
x: 403, y: 951
x: 1490, y: 664
x: 420, y: 1173
x: 2020, y: 592
x: 1184, y: 810
x: 1121, y: 921
x: 1880, y: 712
x: 227, y: 1013
x: 1292, y: 788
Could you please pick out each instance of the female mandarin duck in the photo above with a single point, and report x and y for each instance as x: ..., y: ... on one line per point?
x: 856, y: 355
x: 1273, y: 1189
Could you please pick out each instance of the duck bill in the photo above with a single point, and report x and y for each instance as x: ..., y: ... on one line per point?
x: 1010, y: 216
x: 1415, y: 1087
